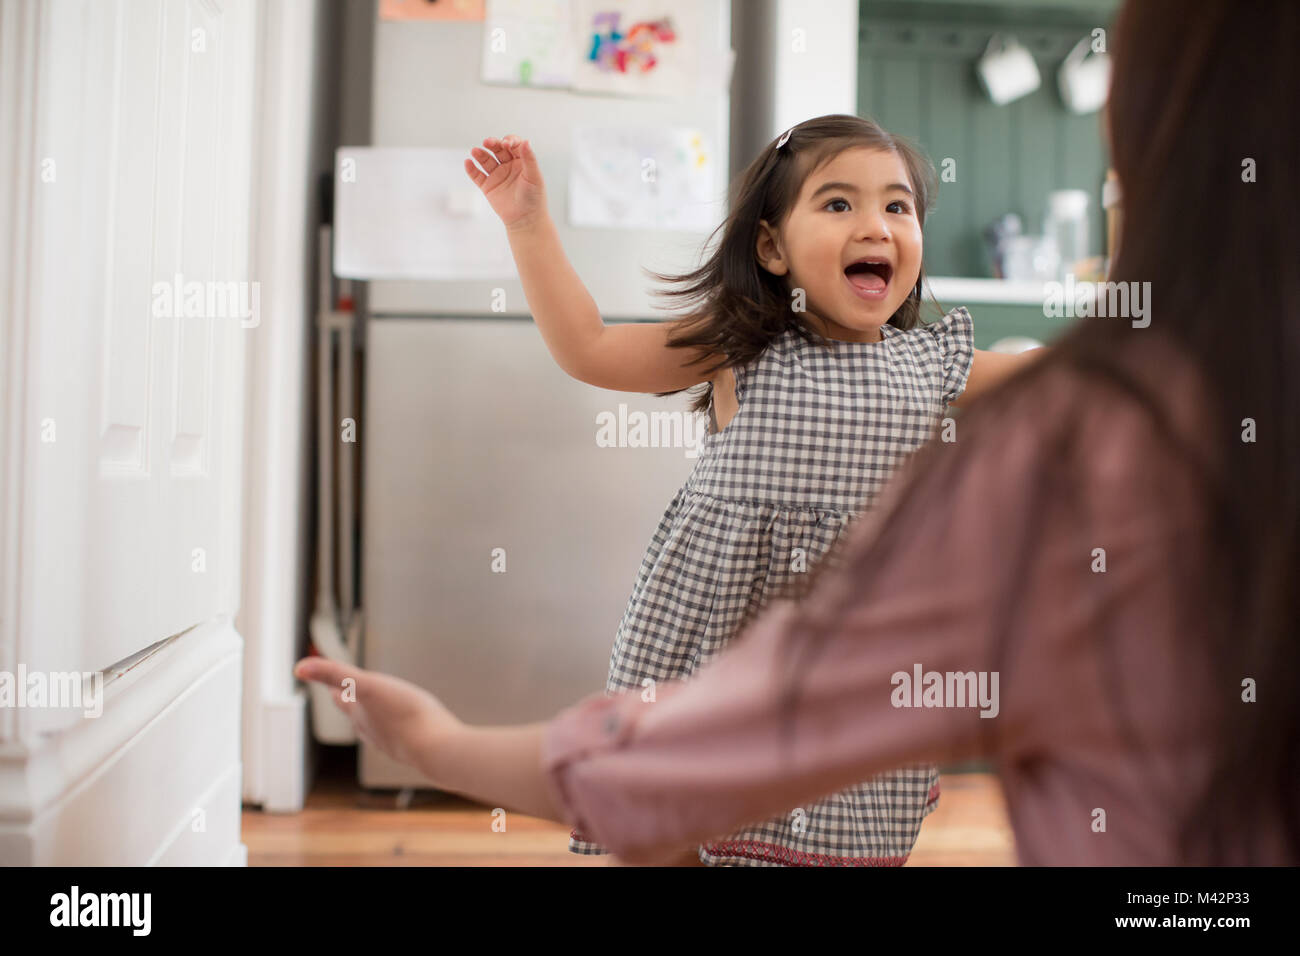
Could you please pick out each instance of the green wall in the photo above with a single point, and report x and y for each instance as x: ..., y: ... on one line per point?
x: 916, y: 77
x: 996, y: 320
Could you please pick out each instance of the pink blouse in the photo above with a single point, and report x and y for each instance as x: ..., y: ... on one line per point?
x: 1095, y: 618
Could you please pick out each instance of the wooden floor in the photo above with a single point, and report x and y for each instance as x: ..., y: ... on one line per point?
x: 346, y: 825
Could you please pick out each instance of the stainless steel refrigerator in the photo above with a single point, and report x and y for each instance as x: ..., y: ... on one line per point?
x: 477, y: 449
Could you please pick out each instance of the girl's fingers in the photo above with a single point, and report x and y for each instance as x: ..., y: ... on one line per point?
x: 530, y: 158
x: 486, y: 159
x: 497, y: 152
x: 500, y: 150
x: 475, y: 174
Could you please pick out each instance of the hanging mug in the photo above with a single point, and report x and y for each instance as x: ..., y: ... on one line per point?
x: 1007, y: 70
x: 1084, y: 80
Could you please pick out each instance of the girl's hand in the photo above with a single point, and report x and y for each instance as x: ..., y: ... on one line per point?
x: 513, y: 184
x: 403, y: 720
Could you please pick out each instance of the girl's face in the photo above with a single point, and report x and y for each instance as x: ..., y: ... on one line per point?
x: 857, y: 206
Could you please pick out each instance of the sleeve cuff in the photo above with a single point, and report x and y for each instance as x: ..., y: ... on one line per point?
x: 594, y: 725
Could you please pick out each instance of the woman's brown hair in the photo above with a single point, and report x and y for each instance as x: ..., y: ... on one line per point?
x: 735, y: 306
x: 1205, y: 151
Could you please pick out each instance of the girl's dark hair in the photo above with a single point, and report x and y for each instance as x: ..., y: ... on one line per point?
x: 736, y: 307
x: 1210, y: 202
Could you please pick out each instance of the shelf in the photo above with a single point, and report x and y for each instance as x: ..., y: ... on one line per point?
x: 1041, y: 9
x: 958, y: 291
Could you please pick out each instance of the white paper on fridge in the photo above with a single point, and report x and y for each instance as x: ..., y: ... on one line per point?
x: 642, y: 178
x: 528, y: 43
x: 640, y: 48
x: 407, y: 213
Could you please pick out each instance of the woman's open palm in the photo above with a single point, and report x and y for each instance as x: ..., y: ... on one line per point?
x: 513, y: 184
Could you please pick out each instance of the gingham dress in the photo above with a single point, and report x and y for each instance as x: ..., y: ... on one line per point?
x: 815, y: 437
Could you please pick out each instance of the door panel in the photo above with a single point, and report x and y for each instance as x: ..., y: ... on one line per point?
x: 146, y: 110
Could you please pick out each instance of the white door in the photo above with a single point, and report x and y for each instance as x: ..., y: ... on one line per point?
x: 123, y: 400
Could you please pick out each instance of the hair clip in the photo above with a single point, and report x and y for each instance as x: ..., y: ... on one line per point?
x: 784, y: 136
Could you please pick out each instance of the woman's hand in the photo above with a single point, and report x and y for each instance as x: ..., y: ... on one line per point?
x: 403, y: 720
x: 513, y: 184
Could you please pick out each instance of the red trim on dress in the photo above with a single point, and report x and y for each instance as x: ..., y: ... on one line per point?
x: 754, y: 850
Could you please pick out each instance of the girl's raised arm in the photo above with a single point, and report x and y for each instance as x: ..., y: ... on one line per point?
x: 632, y: 357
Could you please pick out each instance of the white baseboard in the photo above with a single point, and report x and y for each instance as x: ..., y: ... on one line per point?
x: 290, y: 754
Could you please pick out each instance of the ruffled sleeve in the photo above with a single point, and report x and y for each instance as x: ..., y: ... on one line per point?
x: 954, y: 343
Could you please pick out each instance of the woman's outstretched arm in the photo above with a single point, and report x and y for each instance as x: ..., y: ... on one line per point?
x: 903, y: 670
x: 649, y: 772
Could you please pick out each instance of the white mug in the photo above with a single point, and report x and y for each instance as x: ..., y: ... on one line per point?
x: 1084, y: 80
x: 1007, y: 70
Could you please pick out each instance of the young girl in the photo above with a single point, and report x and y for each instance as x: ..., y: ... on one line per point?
x: 819, y: 377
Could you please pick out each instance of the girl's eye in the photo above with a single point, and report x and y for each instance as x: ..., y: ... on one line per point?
x: 903, y: 207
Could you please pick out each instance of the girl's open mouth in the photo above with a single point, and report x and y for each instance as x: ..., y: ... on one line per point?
x: 869, y: 278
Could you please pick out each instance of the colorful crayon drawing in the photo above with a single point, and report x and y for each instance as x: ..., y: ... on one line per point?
x: 630, y: 52
x: 641, y: 48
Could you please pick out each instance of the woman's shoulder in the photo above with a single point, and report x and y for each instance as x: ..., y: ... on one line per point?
x: 1112, y: 419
